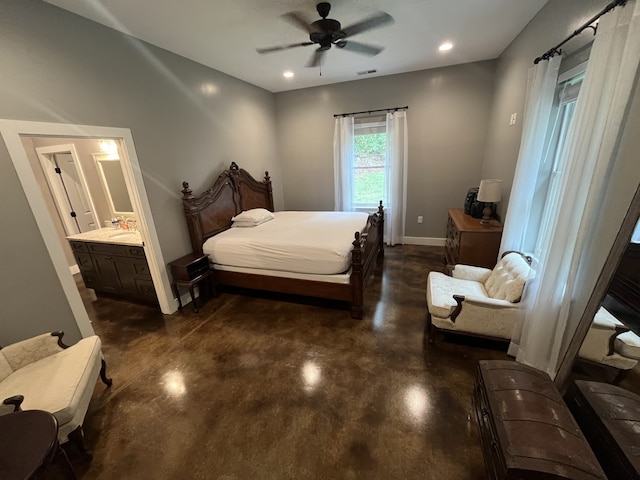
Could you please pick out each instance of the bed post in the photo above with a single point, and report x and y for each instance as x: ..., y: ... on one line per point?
x: 267, y: 181
x: 192, y: 215
x: 357, y: 284
x: 381, y: 230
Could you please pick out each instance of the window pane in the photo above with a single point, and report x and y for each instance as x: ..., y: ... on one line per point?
x: 369, y: 166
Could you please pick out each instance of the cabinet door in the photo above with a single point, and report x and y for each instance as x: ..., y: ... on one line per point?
x: 108, y: 273
x: 127, y: 270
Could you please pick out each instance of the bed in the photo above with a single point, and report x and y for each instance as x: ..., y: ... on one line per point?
x: 209, y: 215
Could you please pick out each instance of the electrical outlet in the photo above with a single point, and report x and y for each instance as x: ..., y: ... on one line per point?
x: 419, y: 218
x: 512, y: 120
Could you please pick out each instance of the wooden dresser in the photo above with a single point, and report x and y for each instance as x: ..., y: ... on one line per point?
x: 469, y: 242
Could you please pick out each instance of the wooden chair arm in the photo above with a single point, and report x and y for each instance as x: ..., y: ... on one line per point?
x: 16, y: 401
x: 612, y: 339
x: 60, y: 334
x: 458, y: 308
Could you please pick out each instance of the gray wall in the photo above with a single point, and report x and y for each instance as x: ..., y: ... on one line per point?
x: 557, y: 20
x: 188, y: 123
x: 448, y: 108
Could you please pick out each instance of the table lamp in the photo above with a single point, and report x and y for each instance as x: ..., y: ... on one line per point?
x: 489, y: 193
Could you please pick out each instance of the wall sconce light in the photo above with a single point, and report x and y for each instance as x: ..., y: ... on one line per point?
x: 489, y: 193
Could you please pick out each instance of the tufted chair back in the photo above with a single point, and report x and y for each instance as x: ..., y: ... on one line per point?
x: 506, y: 281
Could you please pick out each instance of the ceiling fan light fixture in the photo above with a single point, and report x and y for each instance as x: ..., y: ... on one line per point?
x: 445, y: 47
x: 328, y: 32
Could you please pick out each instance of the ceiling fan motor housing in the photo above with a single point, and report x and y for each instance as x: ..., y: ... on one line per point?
x: 325, y: 31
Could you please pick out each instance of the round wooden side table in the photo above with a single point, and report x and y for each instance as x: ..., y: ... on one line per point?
x: 28, y: 443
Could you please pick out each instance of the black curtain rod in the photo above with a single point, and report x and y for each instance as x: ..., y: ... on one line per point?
x: 394, y: 109
x: 556, y: 50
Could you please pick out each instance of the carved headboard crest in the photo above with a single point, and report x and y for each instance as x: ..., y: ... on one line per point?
x: 210, y: 212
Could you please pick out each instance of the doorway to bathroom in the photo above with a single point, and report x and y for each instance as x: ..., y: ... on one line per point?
x: 13, y: 133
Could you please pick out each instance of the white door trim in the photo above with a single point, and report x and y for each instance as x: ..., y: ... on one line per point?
x: 55, y: 188
x: 11, y: 131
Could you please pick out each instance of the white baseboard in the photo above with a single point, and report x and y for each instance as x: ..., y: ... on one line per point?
x: 74, y: 269
x: 429, y: 241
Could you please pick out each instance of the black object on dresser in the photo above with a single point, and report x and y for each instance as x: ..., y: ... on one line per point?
x: 189, y: 271
x: 115, y: 269
x: 526, y: 430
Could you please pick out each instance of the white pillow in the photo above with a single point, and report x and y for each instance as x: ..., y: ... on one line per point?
x: 253, y: 217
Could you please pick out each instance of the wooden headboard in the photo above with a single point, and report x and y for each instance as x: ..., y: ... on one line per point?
x: 234, y: 191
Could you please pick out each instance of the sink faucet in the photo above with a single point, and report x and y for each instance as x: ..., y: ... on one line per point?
x: 131, y: 223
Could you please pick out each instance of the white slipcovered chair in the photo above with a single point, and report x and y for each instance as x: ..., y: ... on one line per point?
x: 610, y: 343
x: 475, y: 300
x: 42, y: 373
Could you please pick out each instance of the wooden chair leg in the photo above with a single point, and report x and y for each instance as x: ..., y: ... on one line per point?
x: 77, y: 437
x: 62, y: 460
x: 429, y: 329
x: 103, y: 374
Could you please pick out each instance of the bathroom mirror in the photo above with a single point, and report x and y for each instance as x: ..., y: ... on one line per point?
x: 114, y: 185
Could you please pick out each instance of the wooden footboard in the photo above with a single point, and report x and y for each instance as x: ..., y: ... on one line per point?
x: 236, y: 190
x: 367, y: 247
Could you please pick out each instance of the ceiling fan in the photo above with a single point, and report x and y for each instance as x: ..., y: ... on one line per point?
x: 327, y: 32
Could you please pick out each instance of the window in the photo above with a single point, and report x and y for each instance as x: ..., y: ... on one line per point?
x: 547, y: 192
x: 369, y: 164
x: 370, y: 157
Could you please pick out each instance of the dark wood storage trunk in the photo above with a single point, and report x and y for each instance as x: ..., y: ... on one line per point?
x: 526, y: 430
x: 609, y: 416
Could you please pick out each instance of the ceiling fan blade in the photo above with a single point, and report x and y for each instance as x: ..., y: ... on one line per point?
x: 298, y: 19
x: 316, y: 58
x: 282, y: 47
x: 358, y: 47
x: 375, y: 21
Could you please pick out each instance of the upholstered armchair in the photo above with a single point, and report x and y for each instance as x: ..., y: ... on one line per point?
x: 610, y: 343
x: 475, y: 300
x: 42, y: 373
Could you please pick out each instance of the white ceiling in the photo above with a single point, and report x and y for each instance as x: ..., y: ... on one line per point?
x: 224, y: 34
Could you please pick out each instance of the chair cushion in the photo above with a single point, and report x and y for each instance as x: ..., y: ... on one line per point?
x: 55, y: 383
x: 506, y: 281
x: 440, y: 291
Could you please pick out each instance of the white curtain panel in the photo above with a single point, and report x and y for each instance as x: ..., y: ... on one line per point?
x: 396, y: 177
x: 590, y: 151
x: 532, y: 151
x: 343, y: 158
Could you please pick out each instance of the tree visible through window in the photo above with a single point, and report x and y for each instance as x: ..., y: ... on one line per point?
x: 370, y: 149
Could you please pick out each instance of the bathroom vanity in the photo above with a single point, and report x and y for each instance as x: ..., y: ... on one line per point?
x: 112, y: 261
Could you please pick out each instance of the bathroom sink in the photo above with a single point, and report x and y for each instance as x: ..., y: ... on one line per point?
x: 122, y: 235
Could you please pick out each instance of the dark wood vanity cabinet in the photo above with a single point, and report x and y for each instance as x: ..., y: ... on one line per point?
x: 120, y: 270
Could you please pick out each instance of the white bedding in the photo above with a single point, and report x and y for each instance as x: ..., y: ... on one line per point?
x: 302, y: 242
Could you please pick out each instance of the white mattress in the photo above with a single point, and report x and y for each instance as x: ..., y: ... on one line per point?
x: 302, y: 242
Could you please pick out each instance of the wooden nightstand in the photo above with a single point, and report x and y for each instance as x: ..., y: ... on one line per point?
x: 189, y: 271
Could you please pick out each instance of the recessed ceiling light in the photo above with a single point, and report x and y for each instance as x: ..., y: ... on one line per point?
x: 445, y: 46
x: 288, y: 74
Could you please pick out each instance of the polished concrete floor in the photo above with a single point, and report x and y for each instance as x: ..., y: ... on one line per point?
x: 257, y: 387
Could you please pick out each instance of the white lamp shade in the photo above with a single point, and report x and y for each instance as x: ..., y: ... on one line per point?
x: 490, y: 191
